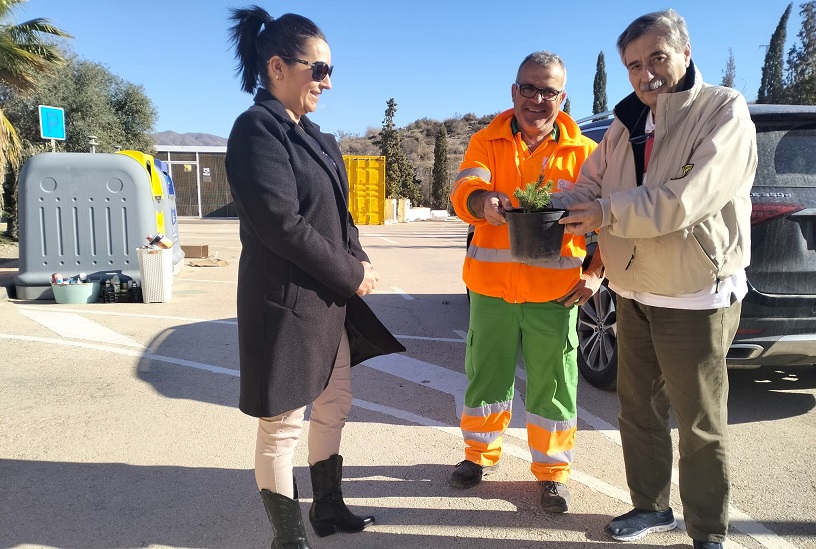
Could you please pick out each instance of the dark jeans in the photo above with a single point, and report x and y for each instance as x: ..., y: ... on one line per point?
x: 675, y: 358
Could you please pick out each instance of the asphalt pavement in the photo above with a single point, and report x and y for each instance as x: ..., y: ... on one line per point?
x: 119, y: 425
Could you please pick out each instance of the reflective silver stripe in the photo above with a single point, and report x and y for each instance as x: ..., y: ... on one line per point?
x: 484, y: 438
x: 495, y: 255
x: 481, y: 173
x: 551, y: 425
x: 552, y: 459
x: 486, y: 409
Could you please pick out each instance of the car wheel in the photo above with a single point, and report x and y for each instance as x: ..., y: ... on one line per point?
x: 598, y: 340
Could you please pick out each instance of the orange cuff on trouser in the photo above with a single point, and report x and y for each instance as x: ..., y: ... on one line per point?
x: 483, y: 434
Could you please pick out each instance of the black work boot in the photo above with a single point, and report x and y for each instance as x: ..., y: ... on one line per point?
x: 555, y: 497
x: 286, y: 520
x: 468, y: 474
x: 329, y: 512
x: 707, y: 544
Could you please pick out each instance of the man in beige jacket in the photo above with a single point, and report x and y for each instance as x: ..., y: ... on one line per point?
x: 668, y: 189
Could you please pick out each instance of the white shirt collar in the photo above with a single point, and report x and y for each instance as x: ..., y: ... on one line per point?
x: 650, y: 123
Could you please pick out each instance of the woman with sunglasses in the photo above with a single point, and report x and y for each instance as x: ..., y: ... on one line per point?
x: 301, y: 320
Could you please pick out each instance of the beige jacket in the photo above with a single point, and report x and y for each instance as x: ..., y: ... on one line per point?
x: 688, y: 225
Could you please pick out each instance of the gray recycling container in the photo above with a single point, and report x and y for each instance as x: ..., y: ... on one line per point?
x: 82, y: 212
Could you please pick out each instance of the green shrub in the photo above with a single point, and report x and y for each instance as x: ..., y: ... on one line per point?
x: 535, y: 196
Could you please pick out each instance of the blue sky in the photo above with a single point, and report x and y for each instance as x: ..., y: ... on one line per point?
x: 437, y: 59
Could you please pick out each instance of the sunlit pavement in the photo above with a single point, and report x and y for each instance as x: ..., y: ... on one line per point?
x: 119, y: 425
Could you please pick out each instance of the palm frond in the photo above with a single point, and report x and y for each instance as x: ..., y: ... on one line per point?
x: 10, y: 146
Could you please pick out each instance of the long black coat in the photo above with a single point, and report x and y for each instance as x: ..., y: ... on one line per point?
x: 300, y: 260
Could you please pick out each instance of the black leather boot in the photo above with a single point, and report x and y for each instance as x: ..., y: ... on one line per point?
x: 286, y: 520
x: 329, y: 512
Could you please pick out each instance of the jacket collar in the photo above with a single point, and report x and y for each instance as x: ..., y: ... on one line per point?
x: 502, y: 127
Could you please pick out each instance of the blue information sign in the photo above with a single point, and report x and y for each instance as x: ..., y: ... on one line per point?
x: 52, y: 122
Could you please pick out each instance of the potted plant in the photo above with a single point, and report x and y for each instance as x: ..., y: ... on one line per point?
x: 535, y: 234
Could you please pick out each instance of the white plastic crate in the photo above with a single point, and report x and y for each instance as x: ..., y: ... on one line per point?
x: 156, y: 268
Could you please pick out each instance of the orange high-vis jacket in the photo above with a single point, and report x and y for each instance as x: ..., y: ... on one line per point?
x: 492, y: 163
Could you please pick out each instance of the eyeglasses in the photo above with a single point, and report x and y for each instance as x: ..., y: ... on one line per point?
x: 641, y: 139
x: 530, y: 91
x: 320, y: 69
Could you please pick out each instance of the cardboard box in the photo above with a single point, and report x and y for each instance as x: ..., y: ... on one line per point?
x: 196, y: 251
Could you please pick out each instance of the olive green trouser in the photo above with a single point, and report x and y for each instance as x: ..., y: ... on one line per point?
x: 675, y: 358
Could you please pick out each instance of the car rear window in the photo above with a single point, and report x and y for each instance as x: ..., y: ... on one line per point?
x: 787, y: 158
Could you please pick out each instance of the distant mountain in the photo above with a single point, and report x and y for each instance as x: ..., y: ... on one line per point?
x: 200, y: 139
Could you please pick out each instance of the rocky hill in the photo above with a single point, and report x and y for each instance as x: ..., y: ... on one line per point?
x: 418, y: 140
x: 200, y: 139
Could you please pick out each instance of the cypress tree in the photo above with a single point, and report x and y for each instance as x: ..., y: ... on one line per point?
x: 400, y: 179
x: 566, y: 107
x: 599, y: 86
x: 391, y: 149
x: 730, y: 72
x: 441, y: 171
x: 771, y: 89
x: 801, y: 74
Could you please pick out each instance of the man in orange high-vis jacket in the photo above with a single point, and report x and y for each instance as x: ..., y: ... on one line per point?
x: 522, y: 305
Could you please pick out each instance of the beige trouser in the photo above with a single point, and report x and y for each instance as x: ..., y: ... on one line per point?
x: 278, y: 436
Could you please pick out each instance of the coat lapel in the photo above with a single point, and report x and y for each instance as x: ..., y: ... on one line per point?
x: 302, y: 135
x: 312, y: 130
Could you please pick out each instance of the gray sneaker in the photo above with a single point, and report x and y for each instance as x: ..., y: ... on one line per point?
x: 555, y: 497
x: 638, y: 522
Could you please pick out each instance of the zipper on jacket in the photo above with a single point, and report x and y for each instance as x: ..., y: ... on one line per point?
x: 717, y: 286
x: 631, y: 259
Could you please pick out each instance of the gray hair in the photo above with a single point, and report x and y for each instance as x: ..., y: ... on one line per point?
x: 543, y: 59
x: 668, y: 22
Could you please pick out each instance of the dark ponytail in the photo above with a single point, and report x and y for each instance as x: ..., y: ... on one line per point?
x: 284, y: 36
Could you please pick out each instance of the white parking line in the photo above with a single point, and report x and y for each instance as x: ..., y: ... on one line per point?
x: 125, y: 352
x: 74, y: 326
x: 134, y: 315
x: 180, y: 278
x: 444, y: 380
x: 423, y: 338
x: 405, y: 295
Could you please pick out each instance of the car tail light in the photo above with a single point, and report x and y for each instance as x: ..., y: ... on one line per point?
x: 765, y: 211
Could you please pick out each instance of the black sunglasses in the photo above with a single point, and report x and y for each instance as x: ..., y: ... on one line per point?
x: 320, y: 69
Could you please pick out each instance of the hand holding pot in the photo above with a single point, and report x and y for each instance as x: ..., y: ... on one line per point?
x: 491, y: 206
x: 583, y: 218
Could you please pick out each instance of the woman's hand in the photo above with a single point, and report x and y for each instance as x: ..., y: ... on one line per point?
x: 370, y: 278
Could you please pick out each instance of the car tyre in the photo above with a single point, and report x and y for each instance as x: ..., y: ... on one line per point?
x: 598, y: 341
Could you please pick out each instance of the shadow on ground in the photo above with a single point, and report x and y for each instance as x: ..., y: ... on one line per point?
x: 113, y: 505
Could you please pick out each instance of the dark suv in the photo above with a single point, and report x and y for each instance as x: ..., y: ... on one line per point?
x: 778, y: 324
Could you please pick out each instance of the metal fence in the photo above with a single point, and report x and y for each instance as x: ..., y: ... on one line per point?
x: 200, y: 180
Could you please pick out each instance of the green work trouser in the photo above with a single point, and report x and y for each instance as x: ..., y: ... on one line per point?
x: 545, y: 332
x: 675, y: 358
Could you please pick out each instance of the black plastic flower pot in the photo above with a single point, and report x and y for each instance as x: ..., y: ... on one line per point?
x: 535, y: 236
